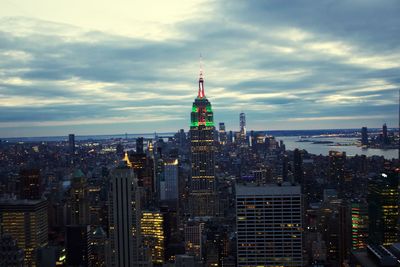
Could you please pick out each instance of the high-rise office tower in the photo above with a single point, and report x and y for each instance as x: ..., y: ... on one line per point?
x: 359, y: 224
x: 222, y: 134
x: 30, y: 184
x: 337, y: 162
x: 71, y: 148
x: 193, y: 231
x: 71, y: 143
x: 124, y: 217
x: 78, y: 209
x: 78, y: 245
x: 169, y: 189
x: 230, y: 137
x: 242, y: 133
x: 100, y: 249
x: 364, y: 136
x: 385, y: 134
x: 139, y: 145
x: 202, y: 198
x: 298, y: 166
x: 269, y: 225
x: 383, y: 208
x: 153, y: 235
x: 25, y: 221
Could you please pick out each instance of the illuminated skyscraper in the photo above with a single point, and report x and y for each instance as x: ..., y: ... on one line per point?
x: 222, y: 134
x: 337, y: 162
x: 78, y: 211
x: 153, y: 235
x: 269, y: 225
x: 124, y: 217
x: 359, y: 224
x: 242, y: 133
x: 25, y: 221
x: 193, y: 238
x: 169, y: 185
x: 202, y: 187
x: 383, y: 208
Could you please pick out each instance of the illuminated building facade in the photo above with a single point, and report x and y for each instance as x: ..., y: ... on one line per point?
x: 383, y: 208
x: 193, y: 238
x: 26, y: 222
x: 242, y: 133
x: 152, y: 227
x: 222, y: 134
x: 202, y: 199
x: 337, y: 162
x: 359, y: 225
x: 124, y: 217
x: 169, y: 185
x: 78, y: 211
x: 269, y: 225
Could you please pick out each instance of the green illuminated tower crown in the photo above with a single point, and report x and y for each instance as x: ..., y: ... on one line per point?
x: 202, y: 113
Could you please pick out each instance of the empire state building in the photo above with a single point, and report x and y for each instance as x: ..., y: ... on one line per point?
x: 202, y: 197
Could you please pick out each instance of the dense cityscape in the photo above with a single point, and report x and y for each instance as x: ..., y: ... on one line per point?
x: 203, y: 197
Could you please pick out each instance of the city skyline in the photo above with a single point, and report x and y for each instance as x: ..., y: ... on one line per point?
x: 106, y: 70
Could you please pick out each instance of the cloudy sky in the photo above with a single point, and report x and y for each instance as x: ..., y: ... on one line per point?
x: 105, y: 67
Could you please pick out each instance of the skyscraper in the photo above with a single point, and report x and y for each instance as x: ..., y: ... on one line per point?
x: 30, y: 184
x: 124, y: 217
x: 25, y: 221
x: 169, y: 187
x: 139, y: 145
x: 153, y: 235
x: 78, y: 211
x: 269, y: 225
x: 71, y: 148
x: 383, y: 208
x: 202, y: 199
x: 222, y: 133
x: 78, y: 245
x: 337, y: 162
x: 359, y: 224
x: 364, y: 136
x: 298, y: 166
x: 385, y: 134
x: 242, y: 133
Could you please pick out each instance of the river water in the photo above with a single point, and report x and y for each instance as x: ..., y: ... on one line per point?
x: 323, y: 149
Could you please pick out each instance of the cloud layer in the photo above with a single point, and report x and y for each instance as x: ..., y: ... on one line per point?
x: 324, y: 64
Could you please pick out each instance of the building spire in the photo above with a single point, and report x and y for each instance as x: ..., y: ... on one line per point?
x: 201, y: 93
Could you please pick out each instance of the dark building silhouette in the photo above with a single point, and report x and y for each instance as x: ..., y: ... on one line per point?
x: 385, y: 137
x: 337, y: 162
x: 78, y: 245
x: 71, y: 143
x: 10, y: 253
x: 364, y: 136
x: 30, y: 184
x: 139, y: 145
x: 298, y: 166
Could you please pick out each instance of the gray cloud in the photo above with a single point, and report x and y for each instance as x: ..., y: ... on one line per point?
x: 273, y: 61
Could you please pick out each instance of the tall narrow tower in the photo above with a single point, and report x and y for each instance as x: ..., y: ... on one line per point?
x: 243, y: 129
x: 202, y: 200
